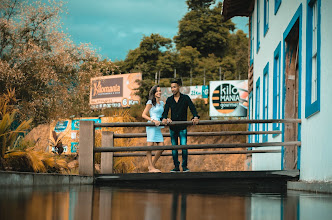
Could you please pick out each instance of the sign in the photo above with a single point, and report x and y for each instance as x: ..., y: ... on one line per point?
x: 114, y: 91
x: 61, y: 126
x: 229, y: 98
x: 194, y: 92
x: 75, y: 124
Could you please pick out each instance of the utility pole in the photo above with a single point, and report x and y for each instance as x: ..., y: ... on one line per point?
x: 155, y: 78
x: 159, y: 77
x: 191, y: 76
x: 204, y: 77
x: 220, y: 73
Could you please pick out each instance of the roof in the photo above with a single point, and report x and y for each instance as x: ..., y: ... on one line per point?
x: 232, y: 8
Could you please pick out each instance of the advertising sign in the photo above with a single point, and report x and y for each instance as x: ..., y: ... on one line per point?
x: 194, y: 92
x: 114, y: 91
x: 229, y: 98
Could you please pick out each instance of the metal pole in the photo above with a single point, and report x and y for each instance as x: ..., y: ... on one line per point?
x: 204, y: 77
x: 159, y: 77
x: 155, y: 78
x: 191, y: 76
x: 174, y: 73
x: 220, y: 73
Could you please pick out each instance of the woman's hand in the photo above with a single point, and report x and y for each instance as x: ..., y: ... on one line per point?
x: 156, y: 123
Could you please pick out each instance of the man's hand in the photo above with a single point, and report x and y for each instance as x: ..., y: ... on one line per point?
x: 164, y: 121
x: 169, y: 120
x: 195, y: 120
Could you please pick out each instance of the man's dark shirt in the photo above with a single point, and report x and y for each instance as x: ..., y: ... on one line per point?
x: 179, y: 110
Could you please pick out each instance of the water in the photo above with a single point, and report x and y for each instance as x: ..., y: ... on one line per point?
x: 88, y: 202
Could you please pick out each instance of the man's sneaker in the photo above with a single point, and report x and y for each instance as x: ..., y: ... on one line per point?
x: 175, y: 170
x: 185, y: 169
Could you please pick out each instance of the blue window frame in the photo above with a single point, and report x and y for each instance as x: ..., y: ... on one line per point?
x: 276, y: 86
x: 312, y: 102
x: 265, y: 99
x: 277, y: 4
x: 251, y: 40
x: 257, y: 108
x: 266, y: 16
x: 250, y: 117
x: 258, y: 27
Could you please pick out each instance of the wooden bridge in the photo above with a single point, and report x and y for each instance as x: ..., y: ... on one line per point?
x: 262, y: 181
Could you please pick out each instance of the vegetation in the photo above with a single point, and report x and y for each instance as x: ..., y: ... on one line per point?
x: 205, y: 44
x: 16, y: 153
x: 49, y: 72
x: 44, y: 76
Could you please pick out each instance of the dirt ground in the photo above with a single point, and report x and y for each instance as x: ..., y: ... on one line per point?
x: 196, y: 163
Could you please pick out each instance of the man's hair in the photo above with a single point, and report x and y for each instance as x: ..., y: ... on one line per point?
x: 177, y: 81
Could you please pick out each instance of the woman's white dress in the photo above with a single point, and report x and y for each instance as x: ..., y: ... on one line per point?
x: 154, y: 133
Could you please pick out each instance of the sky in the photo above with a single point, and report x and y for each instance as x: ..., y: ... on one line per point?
x: 113, y: 27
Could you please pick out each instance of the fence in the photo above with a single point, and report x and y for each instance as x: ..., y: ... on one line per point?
x: 87, y: 147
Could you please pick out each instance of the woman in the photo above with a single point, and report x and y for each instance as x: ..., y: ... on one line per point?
x: 155, y: 108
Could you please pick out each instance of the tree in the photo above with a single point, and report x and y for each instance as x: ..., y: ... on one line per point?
x: 199, y: 4
x: 41, y: 62
x: 239, y: 51
x: 145, y: 58
x: 204, y: 29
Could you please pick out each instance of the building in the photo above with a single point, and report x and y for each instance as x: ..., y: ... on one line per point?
x: 289, y: 77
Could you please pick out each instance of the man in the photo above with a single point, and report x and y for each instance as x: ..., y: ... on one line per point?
x: 179, y: 104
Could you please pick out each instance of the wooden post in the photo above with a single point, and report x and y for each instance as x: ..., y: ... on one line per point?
x: 107, y: 140
x: 86, y: 145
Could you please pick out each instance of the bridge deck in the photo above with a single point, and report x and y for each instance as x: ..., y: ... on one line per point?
x: 230, y: 181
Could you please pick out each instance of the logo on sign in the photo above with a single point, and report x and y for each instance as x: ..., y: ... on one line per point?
x: 226, y: 98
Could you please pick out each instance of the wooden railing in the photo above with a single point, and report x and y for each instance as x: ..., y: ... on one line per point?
x: 108, y: 150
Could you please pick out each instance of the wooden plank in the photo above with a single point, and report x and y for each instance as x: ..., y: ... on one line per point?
x: 199, y: 153
x: 198, y: 146
x: 107, y: 158
x: 86, y: 146
x: 291, y: 99
x: 223, y: 133
x: 211, y: 182
x: 202, y: 122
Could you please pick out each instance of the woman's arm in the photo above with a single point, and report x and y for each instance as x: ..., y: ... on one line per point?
x: 145, y: 115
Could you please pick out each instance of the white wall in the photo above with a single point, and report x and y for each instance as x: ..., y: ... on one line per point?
x: 316, y: 151
x: 268, y: 44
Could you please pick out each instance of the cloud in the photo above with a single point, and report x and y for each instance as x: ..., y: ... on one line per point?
x: 118, y: 26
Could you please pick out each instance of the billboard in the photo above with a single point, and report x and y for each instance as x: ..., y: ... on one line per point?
x: 194, y: 92
x: 228, y: 98
x: 114, y: 91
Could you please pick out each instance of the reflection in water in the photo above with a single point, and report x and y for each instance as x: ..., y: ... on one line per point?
x: 88, y: 202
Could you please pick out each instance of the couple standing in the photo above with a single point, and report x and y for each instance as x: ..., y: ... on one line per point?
x: 158, y: 112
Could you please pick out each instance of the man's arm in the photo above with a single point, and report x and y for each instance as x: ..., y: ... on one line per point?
x: 192, y: 108
x: 166, y: 109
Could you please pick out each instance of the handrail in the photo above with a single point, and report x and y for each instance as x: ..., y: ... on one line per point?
x: 198, y: 153
x: 223, y: 133
x: 198, y: 146
x: 88, y: 149
x: 202, y: 122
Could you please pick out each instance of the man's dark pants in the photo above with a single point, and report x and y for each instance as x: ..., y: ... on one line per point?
x: 175, y: 135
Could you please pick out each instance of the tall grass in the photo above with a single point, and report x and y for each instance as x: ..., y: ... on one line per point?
x: 17, y: 154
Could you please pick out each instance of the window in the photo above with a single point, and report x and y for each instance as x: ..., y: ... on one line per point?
x: 251, y: 40
x: 257, y: 108
x: 258, y: 24
x: 276, y: 86
x: 277, y: 4
x: 250, y: 116
x: 266, y: 16
x: 265, y: 99
x: 312, y: 104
